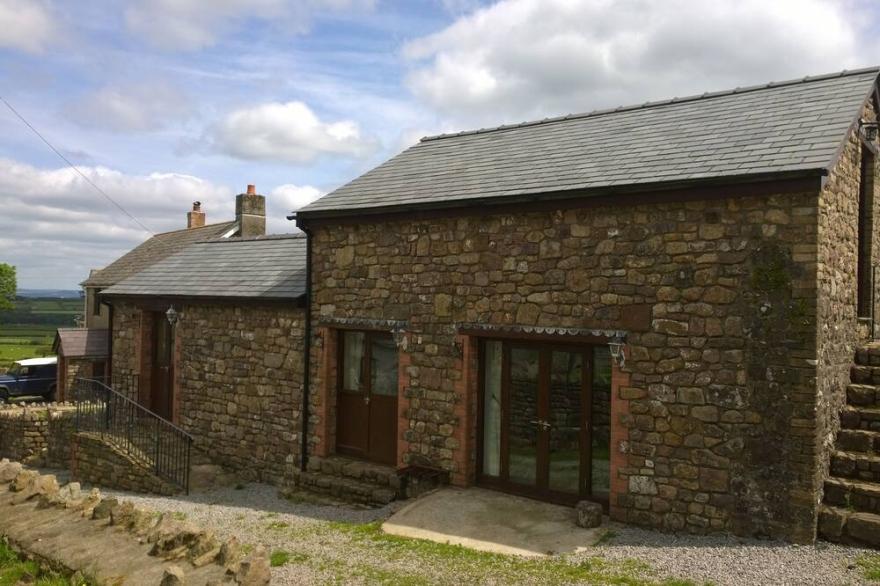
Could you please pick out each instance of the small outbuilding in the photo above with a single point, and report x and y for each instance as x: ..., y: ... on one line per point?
x: 82, y: 353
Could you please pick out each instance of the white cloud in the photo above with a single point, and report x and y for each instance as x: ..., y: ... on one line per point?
x: 288, y: 132
x: 62, y: 227
x: 195, y: 24
x: 137, y: 108
x: 522, y: 59
x: 27, y: 25
x: 55, y: 227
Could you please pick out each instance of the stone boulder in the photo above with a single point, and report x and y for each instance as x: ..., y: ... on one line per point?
x: 254, y: 570
x: 8, y: 471
x: 173, y: 577
x: 589, y: 514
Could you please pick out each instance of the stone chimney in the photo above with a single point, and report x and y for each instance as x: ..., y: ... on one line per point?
x: 195, y: 218
x: 250, y: 213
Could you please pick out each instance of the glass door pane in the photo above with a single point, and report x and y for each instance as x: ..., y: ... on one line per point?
x: 524, y: 426
x: 601, y: 421
x: 492, y: 408
x: 383, y: 366
x: 566, y: 421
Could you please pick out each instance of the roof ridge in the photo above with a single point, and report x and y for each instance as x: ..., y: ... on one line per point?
x: 657, y: 103
x: 263, y: 238
x: 214, y: 225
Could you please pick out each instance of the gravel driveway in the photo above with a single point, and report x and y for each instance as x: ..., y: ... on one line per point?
x: 323, y: 542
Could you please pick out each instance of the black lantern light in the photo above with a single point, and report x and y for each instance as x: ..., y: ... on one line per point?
x: 868, y: 128
x: 172, y: 316
x: 616, y: 345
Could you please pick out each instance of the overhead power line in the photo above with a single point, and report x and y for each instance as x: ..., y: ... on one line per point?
x: 75, y: 168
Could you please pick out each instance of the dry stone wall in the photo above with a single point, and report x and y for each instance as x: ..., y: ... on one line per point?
x: 37, y: 434
x: 718, y: 296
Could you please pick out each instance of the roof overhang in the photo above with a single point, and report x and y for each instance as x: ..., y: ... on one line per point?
x: 163, y: 301
x: 640, y: 193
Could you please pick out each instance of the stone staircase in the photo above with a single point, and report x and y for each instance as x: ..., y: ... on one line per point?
x: 349, y: 480
x: 851, y: 510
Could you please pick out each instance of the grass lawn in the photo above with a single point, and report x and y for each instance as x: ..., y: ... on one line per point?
x: 14, y: 570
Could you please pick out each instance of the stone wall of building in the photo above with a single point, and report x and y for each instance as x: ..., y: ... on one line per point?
x: 98, y: 462
x: 126, y: 353
x: 239, y: 381
x: 37, y: 434
x: 718, y: 296
x: 840, y: 330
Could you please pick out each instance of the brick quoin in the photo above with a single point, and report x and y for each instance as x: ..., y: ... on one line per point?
x: 464, y: 435
x: 404, y: 360
x: 619, y: 441
x: 325, y: 426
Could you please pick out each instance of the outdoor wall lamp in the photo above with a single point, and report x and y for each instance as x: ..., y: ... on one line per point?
x: 399, y: 336
x: 616, y: 346
x: 868, y: 129
x: 172, y: 316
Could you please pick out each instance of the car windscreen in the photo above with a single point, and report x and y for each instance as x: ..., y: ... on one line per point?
x: 15, y: 370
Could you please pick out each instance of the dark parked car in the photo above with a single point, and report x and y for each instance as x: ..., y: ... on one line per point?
x: 33, y: 378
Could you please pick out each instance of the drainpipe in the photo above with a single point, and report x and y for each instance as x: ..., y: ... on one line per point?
x: 108, y: 375
x: 307, y: 359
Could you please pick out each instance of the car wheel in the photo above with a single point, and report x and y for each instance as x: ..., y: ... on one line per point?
x: 4, y: 396
x: 50, y: 396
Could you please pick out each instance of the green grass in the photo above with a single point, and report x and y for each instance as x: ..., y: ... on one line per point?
x: 14, y: 570
x: 482, y: 566
x: 870, y: 566
x: 19, y: 341
x: 280, y: 557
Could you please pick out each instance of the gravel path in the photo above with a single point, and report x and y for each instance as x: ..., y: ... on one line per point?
x: 330, y: 543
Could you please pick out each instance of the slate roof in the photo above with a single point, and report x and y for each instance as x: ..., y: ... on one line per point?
x: 152, y: 251
x: 80, y: 342
x: 267, y: 267
x: 778, y: 128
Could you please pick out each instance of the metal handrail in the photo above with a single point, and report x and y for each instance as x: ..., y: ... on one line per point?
x: 139, y: 432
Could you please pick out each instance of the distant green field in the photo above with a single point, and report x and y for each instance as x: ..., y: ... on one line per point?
x: 29, y: 330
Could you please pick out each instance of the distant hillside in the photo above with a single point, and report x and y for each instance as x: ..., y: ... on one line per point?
x: 49, y: 293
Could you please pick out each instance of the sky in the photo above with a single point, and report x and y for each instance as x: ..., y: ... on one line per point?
x: 164, y: 102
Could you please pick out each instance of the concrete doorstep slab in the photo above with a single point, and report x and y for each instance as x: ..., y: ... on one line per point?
x: 492, y: 521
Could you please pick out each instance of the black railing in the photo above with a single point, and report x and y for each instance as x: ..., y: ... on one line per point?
x: 157, y: 443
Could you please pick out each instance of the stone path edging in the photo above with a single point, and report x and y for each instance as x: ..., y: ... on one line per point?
x: 113, y: 541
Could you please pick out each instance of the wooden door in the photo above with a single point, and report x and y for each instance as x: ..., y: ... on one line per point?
x: 162, y: 374
x: 366, y: 424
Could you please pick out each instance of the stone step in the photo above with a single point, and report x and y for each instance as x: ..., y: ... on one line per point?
x: 368, y: 472
x: 855, y: 495
x: 866, y: 418
x: 868, y: 355
x: 864, y: 375
x: 859, y: 440
x: 345, y: 488
x: 859, y: 395
x: 856, y: 465
x: 844, y: 526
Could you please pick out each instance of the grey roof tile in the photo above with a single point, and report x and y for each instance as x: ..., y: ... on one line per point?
x: 269, y: 267
x: 81, y: 342
x: 773, y: 128
x: 152, y: 251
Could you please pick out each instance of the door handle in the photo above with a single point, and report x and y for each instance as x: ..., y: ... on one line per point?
x: 366, y: 399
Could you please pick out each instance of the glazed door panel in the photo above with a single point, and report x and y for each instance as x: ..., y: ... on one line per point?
x: 366, y: 424
x: 537, y: 413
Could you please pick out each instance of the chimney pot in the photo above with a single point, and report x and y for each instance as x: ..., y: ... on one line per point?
x: 195, y: 218
x: 252, y: 190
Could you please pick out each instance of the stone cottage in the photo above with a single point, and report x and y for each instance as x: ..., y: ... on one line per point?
x: 214, y: 337
x: 653, y: 307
